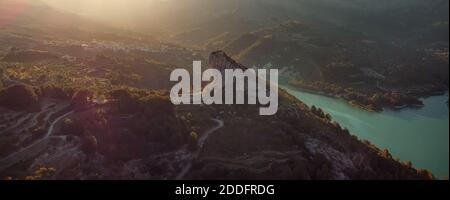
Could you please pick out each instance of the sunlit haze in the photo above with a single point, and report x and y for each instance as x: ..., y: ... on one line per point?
x: 224, y: 89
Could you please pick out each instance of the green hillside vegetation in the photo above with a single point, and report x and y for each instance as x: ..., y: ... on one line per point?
x: 81, y: 100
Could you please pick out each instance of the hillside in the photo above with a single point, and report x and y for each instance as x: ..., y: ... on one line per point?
x: 37, y: 26
x: 81, y: 100
x: 388, y: 20
x: 330, y: 61
x: 120, y: 132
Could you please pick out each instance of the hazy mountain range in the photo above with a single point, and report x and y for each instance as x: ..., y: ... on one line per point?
x: 84, y: 86
x: 402, y: 17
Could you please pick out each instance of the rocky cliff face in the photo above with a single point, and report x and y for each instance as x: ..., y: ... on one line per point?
x: 296, y: 143
x: 221, y: 61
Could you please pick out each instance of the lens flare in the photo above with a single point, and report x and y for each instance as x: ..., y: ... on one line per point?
x: 10, y: 10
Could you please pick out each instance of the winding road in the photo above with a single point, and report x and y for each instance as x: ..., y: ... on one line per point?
x: 31, y: 150
x: 201, y: 143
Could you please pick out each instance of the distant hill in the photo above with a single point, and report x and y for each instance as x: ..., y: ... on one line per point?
x: 139, y: 134
x: 24, y: 23
x: 105, y: 111
x: 194, y: 22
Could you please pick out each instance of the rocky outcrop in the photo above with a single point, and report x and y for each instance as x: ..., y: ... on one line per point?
x: 221, y: 61
x: 296, y: 143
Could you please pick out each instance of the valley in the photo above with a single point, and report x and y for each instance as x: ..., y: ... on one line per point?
x: 85, y: 93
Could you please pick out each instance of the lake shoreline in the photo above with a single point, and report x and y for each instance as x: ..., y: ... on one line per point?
x: 419, y: 135
x: 367, y: 108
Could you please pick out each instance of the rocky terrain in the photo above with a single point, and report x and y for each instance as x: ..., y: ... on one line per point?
x: 325, y: 43
x: 139, y: 134
x: 83, y: 100
x: 346, y: 65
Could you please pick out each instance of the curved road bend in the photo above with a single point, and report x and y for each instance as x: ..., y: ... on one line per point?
x: 30, y: 151
x: 201, y: 142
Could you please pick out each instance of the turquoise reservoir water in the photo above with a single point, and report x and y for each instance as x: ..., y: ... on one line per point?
x: 417, y: 135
